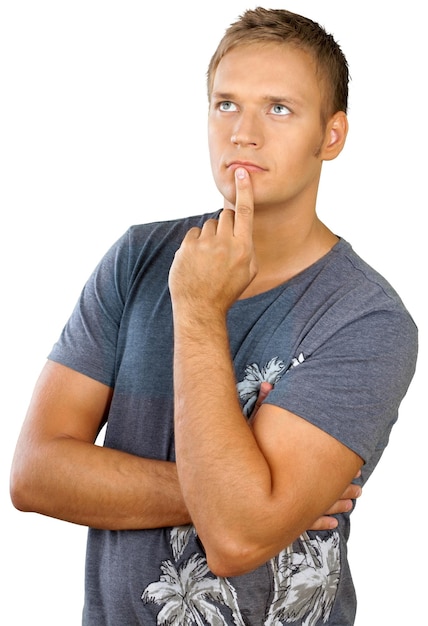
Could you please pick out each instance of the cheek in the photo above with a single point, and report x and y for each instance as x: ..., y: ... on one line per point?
x: 294, y: 159
x: 214, y: 151
x: 223, y: 178
x: 225, y: 183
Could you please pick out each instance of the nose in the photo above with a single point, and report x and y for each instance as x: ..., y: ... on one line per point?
x: 247, y: 131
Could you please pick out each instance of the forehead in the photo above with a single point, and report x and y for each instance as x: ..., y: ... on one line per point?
x: 268, y: 68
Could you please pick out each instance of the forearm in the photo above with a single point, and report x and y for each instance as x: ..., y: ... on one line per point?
x: 246, y: 501
x: 99, y: 487
x: 250, y: 491
x: 224, y: 477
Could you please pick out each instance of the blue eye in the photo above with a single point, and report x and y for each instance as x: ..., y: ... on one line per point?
x: 227, y: 106
x: 280, y: 109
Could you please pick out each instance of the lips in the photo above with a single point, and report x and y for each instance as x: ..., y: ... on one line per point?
x: 248, y: 165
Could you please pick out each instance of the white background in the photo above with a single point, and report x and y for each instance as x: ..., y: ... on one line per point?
x: 103, y: 124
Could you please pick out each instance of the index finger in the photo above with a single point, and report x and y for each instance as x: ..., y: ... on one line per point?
x: 244, y: 203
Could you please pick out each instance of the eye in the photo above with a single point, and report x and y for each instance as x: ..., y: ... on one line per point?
x: 226, y: 105
x: 280, y: 109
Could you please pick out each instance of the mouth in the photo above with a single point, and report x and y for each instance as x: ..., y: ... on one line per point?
x: 248, y: 165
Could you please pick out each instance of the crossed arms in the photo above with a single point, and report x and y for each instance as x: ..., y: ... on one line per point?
x: 250, y: 490
x: 58, y: 471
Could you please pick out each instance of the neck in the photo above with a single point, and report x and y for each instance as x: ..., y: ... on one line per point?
x: 286, y: 245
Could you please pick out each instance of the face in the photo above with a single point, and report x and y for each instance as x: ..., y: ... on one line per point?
x: 265, y: 114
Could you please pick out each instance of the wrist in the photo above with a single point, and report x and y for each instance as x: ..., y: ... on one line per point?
x: 196, y: 317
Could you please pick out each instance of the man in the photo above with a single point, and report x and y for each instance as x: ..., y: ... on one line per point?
x: 252, y: 346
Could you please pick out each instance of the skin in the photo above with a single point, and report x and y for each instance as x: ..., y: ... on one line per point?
x: 58, y: 471
x: 267, y: 146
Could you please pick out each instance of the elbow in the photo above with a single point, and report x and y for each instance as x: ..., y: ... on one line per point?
x: 21, y: 492
x: 227, y: 568
x: 239, y: 554
x: 235, y: 558
x: 18, y: 496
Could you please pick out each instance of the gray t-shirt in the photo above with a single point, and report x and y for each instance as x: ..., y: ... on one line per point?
x: 340, y: 349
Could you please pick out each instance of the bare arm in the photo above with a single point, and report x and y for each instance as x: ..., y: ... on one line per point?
x: 250, y: 490
x: 344, y: 503
x: 58, y: 471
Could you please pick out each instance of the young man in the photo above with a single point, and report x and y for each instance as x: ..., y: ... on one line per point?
x: 252, y: 346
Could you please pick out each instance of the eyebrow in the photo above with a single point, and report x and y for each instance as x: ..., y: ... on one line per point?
x: 219, y: 95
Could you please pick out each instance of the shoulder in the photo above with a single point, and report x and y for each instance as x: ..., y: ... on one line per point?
x: 165, y: 230
x: 143, y: 244
x: 361, y: 289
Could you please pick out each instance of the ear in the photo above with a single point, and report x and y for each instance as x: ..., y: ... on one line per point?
x: 335, y: 136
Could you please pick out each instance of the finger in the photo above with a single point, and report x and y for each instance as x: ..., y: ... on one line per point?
x: 351, y: 492
x: 209, y: 227
x: 341, y: 506
x: 244, y: 204
x: 324, y: 522
x: 193, y: 233
x: 265, y: 389
x: 226, y: 222
x: 346, y: 500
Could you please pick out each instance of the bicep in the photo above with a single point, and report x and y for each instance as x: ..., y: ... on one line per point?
x: 309, y: 468
x: 66, y: 403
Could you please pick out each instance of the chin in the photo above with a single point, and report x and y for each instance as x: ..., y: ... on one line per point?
x: 228, y: 192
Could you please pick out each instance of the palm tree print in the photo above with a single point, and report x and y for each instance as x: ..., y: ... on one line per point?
x: 191, y: 595
x: 179, y: 538
x: 305, y: 582
x: 249, y: 387
x: 304, y: 576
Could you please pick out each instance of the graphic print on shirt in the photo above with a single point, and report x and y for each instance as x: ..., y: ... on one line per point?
x: 248, y: 388
x: 304, y: 576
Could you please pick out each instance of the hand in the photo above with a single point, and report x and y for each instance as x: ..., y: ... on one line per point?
x: 343, y: 504
x: 217, y: 262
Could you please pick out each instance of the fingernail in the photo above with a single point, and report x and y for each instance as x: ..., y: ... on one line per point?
x: 241, y: 173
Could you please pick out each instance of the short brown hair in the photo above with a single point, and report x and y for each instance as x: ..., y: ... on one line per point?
x: 277, y: 25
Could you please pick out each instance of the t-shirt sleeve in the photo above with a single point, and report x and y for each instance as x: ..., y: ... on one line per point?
x: 351, y: 384
x: 89, y: 339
